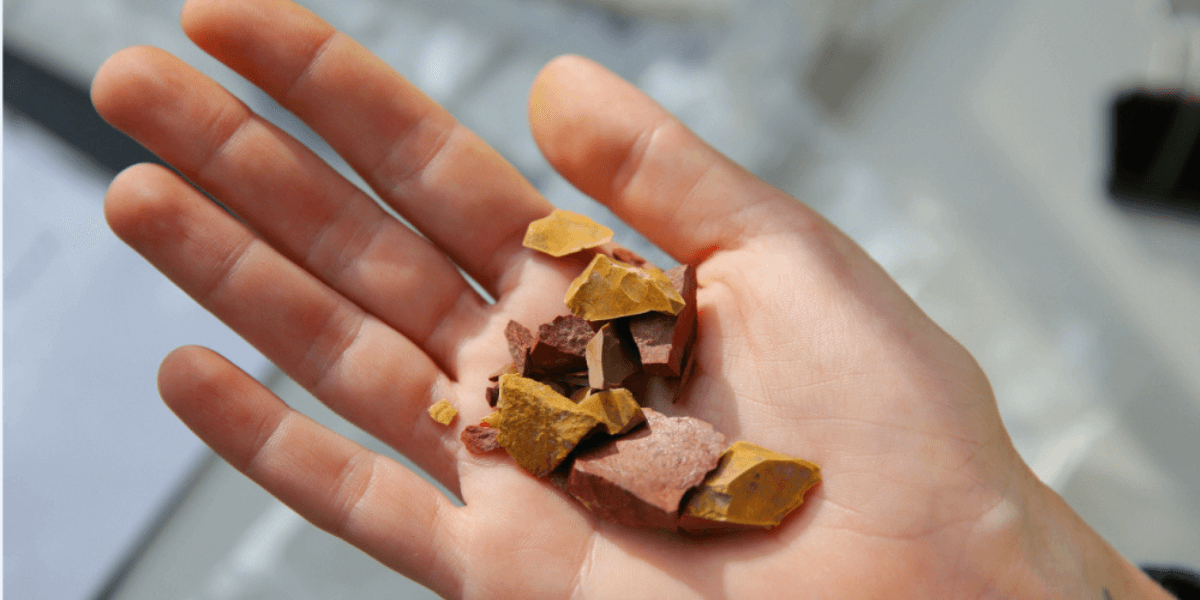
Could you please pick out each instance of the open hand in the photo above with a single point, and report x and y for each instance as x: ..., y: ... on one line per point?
x: 805, y: 345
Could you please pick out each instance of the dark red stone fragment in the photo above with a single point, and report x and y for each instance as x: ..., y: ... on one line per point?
x: 492, y: 393
x: 638, y: 480
x: 663, y: 340
x: 520, y: 342
x: 479, y: 440
x: 560, y: 346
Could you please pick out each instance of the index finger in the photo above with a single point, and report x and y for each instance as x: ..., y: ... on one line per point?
x: 441, y: 177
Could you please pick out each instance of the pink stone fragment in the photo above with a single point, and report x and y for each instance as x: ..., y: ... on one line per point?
x: 638, y: 480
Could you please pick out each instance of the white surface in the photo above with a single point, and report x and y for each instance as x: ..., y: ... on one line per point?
x: 90, y: 452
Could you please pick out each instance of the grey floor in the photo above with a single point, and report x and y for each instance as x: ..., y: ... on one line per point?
x: 962, y: 144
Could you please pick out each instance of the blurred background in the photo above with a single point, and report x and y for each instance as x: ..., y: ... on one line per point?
x: 1026, y: 169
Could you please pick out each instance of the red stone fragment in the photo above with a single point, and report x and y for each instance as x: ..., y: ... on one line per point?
x: 520, y: 342
x: 663, y: 340
x: 610, y: 359
x: 479, y: 440
x: 639, y: 480
x: 560, y: 346
x: 626, y: 255
x: 616, y: 251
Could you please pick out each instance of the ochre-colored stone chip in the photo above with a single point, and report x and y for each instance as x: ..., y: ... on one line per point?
x: 491, y: 420
x: 639, y: 479
x: 565, y: 232
x: 538, y: 426
x: 752, y: 487
x: 443, y: 412
x: 615, y: 409
x: 610, y: 290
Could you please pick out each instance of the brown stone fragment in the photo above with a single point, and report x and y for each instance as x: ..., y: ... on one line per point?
x: 610, y: 359
x: 610, y: 290
x: 443, y: 412
x: 615, y: 409
x: 538, y: 426
x: 639, y: 479
x: 569, y: 383
x: 479, y: 440
x: 751, y: 488
x: 492, y: 394
x: 560, y: 346
x: 663, y: 340
x: 564, y: 232
x: 520, y: 342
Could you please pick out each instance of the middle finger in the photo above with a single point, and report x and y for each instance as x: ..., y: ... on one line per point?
x: 440, y: 176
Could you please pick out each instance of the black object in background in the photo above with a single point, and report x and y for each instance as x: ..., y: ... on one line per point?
x: 1156, y: 151
x: 1184, y: 585
x: 65, y: 108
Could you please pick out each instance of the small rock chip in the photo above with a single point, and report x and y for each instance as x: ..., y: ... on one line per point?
x: 492, y: 394
x: 520, y: 342
x: 616, y: 251
x: 508, y: 369
x: 639, y: 480
x: 443, y: 412
x: 538, y: 426
x: 479, y: 440
x: 663, y: 341
x: 751, y: 488
x: 492, y: 420
x: 615, y: 409
x: 610, y: 359
x: 565, y: 232
x: 610, y: 290
x: 560, y: 346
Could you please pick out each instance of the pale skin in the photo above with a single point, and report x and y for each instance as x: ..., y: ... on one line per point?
x: 806, y: 345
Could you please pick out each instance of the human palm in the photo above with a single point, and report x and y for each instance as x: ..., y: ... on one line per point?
x: 805, y: 345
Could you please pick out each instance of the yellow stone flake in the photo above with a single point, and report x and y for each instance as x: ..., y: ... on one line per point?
x: 565, y: 232
x: 615, y: 409
x: 538, y: 426
x: 443, y: 412
x: 610, y: 289
x: 752, y: 486
x: 492, y: 419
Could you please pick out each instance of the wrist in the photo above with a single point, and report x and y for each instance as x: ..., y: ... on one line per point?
x: 1055, y: 554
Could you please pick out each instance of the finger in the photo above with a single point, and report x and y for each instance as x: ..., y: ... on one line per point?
x: 293, y: 199
x: 441, y: 177
x: 369, y: 500
x: 620, y: 147
x: 358, y: 366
